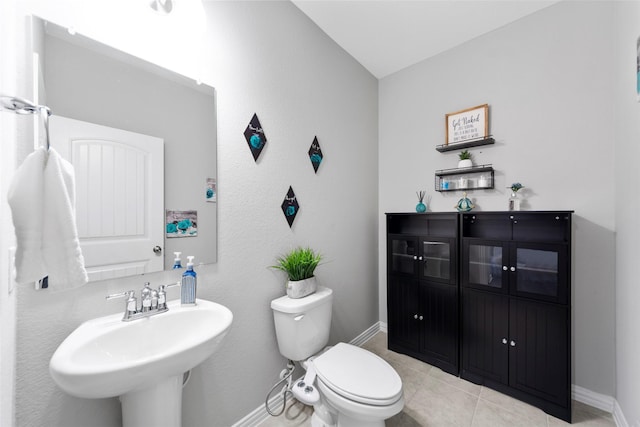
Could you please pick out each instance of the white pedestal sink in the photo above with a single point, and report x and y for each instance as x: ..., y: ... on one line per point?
x: 142, y: 361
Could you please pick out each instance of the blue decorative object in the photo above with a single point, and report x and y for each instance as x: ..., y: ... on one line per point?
x: 315, y: 154
x: 290, y: 206
x: 421, y: 207
x: 464, y: 204
x: 255, y: 137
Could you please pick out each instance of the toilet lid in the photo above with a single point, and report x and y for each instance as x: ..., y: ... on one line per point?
x: 359, y: 375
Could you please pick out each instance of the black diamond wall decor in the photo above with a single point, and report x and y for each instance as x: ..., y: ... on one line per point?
x: 315, y: 154
x: 290, y: 206
x: 255, y: 137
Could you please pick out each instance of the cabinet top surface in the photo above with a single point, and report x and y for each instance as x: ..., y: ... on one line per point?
x: 480, y: 213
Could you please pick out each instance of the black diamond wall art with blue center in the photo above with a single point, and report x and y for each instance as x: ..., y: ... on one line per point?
x: 290, y: 206
x: 255, y: 137
x: 315, y: 154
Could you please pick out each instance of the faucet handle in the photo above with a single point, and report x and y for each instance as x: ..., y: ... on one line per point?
x: 131, y: 306
x: 172, y: 285
x: 162, y: 294
x: 127, y: 294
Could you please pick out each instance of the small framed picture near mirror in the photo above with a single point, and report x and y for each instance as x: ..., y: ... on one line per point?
x: 466, y: 125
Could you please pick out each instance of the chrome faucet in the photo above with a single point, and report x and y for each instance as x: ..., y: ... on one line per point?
x: 152, y: 302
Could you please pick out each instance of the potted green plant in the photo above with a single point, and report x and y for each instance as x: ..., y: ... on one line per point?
x: 299, y: 264
x: 465, y: 159
x: 514, y: 201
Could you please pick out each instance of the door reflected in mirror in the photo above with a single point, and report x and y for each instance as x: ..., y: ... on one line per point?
x: 101, y: 100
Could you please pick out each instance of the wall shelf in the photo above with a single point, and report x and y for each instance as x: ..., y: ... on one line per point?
x: 479, y: 177
x: 466, y: 144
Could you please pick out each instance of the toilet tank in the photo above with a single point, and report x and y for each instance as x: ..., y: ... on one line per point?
x: 302, y: 324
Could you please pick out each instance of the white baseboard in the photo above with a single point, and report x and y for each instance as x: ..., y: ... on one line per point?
x: 260, y: 414
x: 366, y: 335
x: 618, y: 416
x: 591, y: 398
x: 600, y: 401
x: 383, y: 327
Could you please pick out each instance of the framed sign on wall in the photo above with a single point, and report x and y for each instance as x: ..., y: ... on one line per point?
x: 469, y: 124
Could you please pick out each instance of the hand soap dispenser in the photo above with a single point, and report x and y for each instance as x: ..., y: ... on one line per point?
x: 177, y: 263
x: 188, y: 285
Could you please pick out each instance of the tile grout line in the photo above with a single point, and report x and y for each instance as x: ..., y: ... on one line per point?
x: 475, y: 409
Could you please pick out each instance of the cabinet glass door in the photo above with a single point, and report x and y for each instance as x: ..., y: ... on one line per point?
x: 484, y: 266
x: 403, y: 256
x: 436, y: 260
x: 539, y: 273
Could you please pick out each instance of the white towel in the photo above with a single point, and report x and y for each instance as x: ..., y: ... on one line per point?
x: 42, y: 200
x: 60, y: 243
x: 26, y: 199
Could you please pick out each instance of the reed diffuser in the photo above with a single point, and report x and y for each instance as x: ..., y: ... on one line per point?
x: 421, y: 207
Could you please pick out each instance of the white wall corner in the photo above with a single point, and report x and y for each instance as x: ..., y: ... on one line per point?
x: 383, y: 327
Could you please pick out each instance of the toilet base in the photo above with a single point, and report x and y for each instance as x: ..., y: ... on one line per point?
x: 321, y: 417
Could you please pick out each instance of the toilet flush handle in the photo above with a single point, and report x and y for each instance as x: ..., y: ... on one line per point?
x: 299, y: 317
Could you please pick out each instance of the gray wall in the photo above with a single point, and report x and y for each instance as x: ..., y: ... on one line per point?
x: 263, y: 57
x: 627, y: 175
x: 548, y: 81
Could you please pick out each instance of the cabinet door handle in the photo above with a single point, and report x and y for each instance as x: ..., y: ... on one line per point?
x: 420, y: 317
x: 513, y: 269
x: 505, y: 268
x: 415, y: 257
x: 420, y: 258
x: 504, y: 340
x: 415, y: 316
x: 512, y: 343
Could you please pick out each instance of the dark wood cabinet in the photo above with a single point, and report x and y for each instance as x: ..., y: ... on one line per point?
x: 515, y: 328
x: 486, y: 295
x: 422, y: 287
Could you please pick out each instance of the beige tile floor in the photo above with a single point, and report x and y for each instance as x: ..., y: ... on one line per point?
x: 434, y: 398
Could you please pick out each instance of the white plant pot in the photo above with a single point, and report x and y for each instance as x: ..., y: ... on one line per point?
x: 466, y: 163
x: 301, y: 288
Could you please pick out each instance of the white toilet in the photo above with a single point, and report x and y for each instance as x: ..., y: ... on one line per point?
x: 347, y: 385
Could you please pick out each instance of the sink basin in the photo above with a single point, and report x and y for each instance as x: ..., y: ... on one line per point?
x: 106, y: 357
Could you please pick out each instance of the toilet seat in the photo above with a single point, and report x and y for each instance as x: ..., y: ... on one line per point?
x: 358, y: 375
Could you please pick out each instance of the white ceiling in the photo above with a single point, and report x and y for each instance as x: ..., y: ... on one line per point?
x: 386, y: 36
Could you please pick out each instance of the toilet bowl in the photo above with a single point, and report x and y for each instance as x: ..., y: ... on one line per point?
x: 348, y: 386
x: 357, y: 388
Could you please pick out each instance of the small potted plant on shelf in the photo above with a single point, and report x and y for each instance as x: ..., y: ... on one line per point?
x: 514, y: 201
x: 299, y: 264
x: 465, y: 159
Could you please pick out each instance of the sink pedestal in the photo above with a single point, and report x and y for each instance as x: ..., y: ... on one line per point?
x: 159, y: 405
